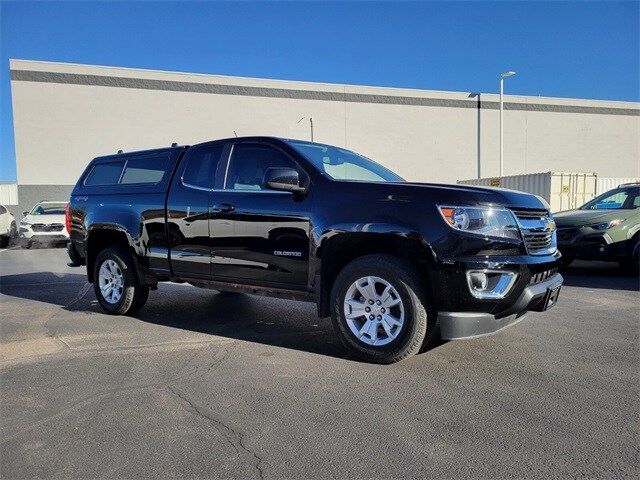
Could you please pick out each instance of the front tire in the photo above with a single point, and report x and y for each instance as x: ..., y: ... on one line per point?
x: 379, y: 309
x: 116, y: 284
x: 631, y: 264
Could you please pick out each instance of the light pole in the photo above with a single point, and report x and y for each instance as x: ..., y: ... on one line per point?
x: 502, y: 77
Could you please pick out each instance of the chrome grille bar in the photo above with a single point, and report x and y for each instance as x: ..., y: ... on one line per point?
x: 538, y: 230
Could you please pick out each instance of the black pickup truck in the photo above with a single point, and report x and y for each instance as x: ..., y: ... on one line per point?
x: 388, y: 260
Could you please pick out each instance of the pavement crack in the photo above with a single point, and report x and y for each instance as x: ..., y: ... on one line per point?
x: 235, y: 438
x: 81, y: 294
x: 58, y: 339
x: 72, y: 406
x: 53, y: 334
x: 219, y: 360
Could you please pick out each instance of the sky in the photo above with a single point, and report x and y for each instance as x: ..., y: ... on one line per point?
x: 558, y: 49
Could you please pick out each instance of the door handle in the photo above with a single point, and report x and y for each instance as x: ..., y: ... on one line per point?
x: 223, y: 208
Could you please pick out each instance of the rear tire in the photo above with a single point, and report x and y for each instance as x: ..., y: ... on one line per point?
x: 400, y: 325
x: 116, y: 284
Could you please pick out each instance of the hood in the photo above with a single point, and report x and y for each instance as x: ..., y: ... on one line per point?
x: 577, y: 218
x: 44, y: 219
x: 492, y: 196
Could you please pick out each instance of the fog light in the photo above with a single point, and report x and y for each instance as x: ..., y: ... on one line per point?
x: 478, y: 280
x: 490, y: 284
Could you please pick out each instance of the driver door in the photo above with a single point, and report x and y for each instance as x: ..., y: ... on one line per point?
x: 270, y: 240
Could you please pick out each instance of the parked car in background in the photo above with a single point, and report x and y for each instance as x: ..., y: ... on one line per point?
x: 7, y: 226
x: 388, y: 260
x: 606, y: 228
x: 44, y: 224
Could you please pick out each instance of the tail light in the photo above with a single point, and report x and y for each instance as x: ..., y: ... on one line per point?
x: 67, y: 217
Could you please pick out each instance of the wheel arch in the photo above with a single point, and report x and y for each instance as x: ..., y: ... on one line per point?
x: 104, y: 236
x: 341, y: 249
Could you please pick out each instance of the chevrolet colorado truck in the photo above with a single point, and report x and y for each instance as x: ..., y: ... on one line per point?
x: 388, y: 260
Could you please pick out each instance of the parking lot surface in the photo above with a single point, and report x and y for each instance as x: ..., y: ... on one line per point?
x: 201, y: 384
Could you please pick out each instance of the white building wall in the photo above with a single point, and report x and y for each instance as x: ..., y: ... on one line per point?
x: 65, y: 115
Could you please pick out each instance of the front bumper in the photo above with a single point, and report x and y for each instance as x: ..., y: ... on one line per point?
x: 593, y: 246
x: 465, y: 325
x: 26, y: 234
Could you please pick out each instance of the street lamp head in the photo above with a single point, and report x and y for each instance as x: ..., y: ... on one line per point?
x: 507, y: 74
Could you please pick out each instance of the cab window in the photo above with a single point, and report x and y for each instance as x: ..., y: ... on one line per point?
x: 249, y: 163
x: 200, y: 171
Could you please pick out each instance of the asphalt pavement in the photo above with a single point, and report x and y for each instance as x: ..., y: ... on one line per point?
x: 202, y: 384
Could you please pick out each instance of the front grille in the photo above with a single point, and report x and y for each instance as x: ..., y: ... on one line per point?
x: 542, y: 276
x: 536, y: 242
x: 47, y: 227
x: 538, y: 230
x: 530, y: 214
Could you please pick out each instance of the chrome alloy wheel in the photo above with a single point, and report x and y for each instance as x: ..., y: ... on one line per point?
x: 374, y: 311
x: 111, y: 281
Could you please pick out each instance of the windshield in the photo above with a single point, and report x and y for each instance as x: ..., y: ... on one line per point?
x: 341, y: 164
x: 48, y: 209
x: 617, y: 199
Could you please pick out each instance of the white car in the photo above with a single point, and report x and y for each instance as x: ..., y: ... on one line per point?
x: 45, y: 223
x: 7, y: 226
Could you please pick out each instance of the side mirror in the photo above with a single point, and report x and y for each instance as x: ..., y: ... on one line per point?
x: 25, y: 213
x: 284, y: 179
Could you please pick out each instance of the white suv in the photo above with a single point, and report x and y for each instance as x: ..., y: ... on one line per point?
x: 7, y: 226
x: 45, y: 223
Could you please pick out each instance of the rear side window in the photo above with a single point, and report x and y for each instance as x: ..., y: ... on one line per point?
x: 201, y: 167
x: 144, y: 170
x: 137, y: 170
x: 105, y: 174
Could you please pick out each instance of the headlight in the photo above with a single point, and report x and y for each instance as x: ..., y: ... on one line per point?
x: 485, y: 221
x: 606, y: 225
